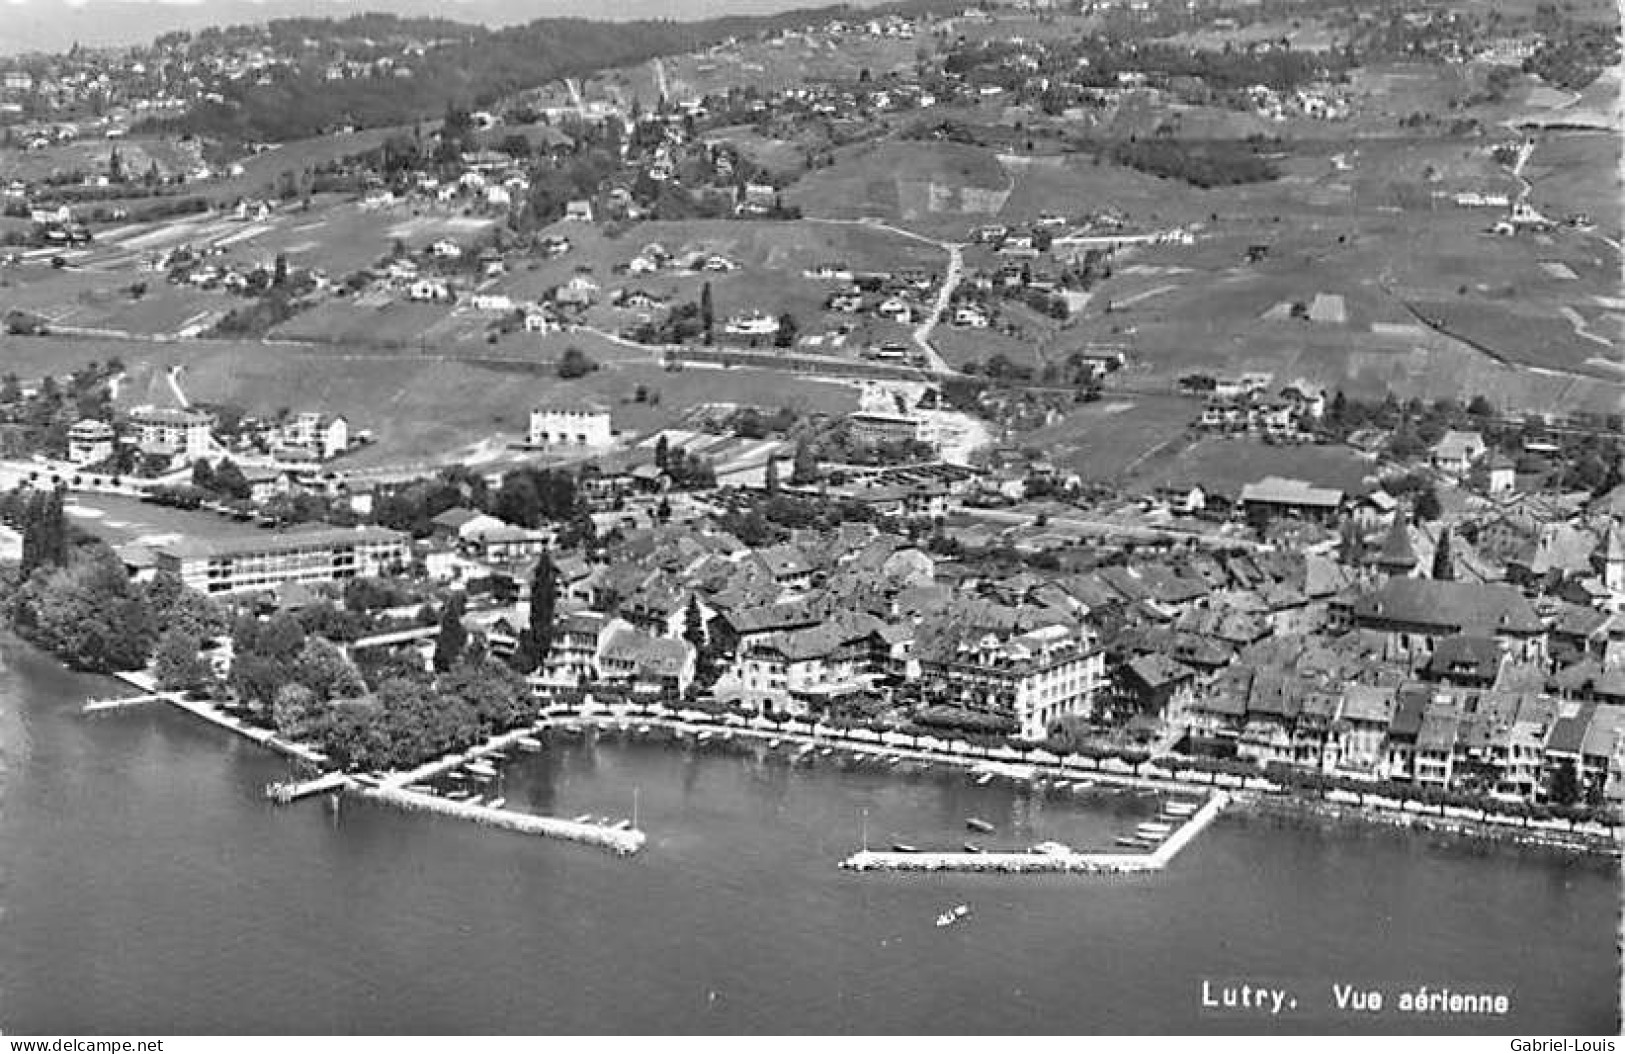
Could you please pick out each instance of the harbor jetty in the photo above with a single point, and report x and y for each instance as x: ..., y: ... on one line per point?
x: 328, y: 782
x: 623, y: 841
x: 1045, y: 862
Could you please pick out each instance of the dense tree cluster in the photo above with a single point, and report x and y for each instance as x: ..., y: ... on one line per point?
x: 1212, y: 163
x: 470, y: 63
x: 411, y: 719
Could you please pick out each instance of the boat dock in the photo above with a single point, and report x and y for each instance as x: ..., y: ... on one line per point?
x: 284, y: 793
x: 440, y: 766
x: 623, y: 841
x: 98, y: 705
x: 1068, y: 862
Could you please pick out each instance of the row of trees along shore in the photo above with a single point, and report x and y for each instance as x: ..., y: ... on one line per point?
x: 72, y: 596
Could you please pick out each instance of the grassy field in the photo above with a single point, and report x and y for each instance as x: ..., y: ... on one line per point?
x: 121, y: 521
x: 930, y: 185
x: 1227, y: 464
x: 788, y: 62
x: 1104, y: 440
x: 92, y: 155
x: 420, y: 408
x: 1579, y: 172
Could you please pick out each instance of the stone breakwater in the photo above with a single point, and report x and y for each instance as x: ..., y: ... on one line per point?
x: 617, y: 840
x: 1046, y: 862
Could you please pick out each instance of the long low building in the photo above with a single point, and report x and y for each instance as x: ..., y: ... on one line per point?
x: 311, y: 554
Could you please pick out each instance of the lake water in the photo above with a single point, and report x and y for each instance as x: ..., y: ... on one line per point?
x: 146, y: 886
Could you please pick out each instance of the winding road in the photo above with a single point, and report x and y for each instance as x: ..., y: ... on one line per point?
x: 950, y: 282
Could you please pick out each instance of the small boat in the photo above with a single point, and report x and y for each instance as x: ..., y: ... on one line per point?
x: 497, y: 803
x: 585, y: 817
x: 1063, y: 785
x: 727, y: 737
x: 894, y: 760
x: 961, y: 911
x: 480, y: 768
x: 773, y: 744
x: 1152, y: 827
x: 703, y: 737
x: 1180, y: 808
x: 1053, y: 849
x: 529, y: 743
x: 903, y: 847
x: 984, y: 779
x: 972, y: 847
x: 495, y: 755
x: 1131, y: 841
x: 977, y: 824
x: 826, y: 752
x: 643, y: 730
x: 456, y: 776
x: 804, y: 751
x: 623, y: 825
x: 946, y: 919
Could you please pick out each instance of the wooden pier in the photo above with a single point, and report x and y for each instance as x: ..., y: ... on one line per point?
x: 96, y: 706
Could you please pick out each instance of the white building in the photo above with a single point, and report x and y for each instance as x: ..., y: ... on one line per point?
x: 310, y: 554
x: 570, y: 424
x: 160, y: 430
x: 318, y: 433
x: 90, y: 441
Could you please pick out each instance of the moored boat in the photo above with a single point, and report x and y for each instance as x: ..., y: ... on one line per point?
x: 972, y: 847
x: 904, y: 847
x: 497, y: 803
x: 978, y: 824
x: 984, y: 779
x: 585, y: 817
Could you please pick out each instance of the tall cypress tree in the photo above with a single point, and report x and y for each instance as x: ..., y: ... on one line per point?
x: 453, y: 638
x: 544, y: 596
x: 1444, y: 563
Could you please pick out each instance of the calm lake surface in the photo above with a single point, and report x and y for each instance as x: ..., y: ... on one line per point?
x: 146, y: 886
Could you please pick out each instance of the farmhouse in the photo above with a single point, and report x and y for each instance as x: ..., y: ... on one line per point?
x: 755, y: 324
x: 1456, y: 451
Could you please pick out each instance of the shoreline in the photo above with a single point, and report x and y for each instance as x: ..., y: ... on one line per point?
x: 1459, y: 832
x: 1249, y: 796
